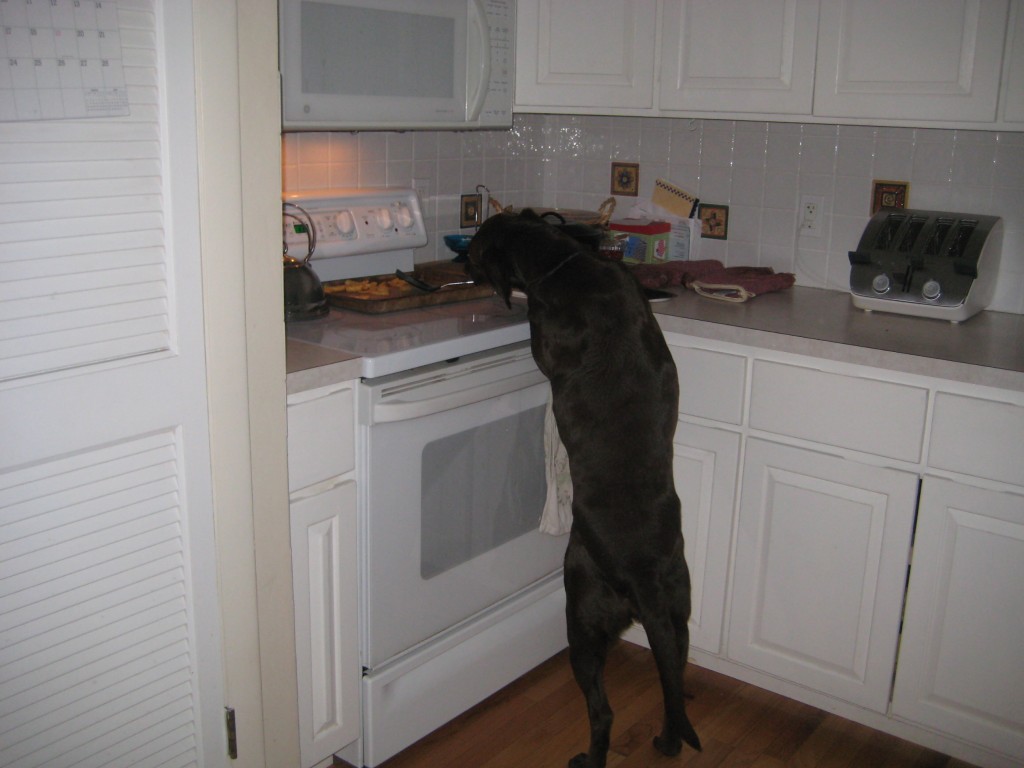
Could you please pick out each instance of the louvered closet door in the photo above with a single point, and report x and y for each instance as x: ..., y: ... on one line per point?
x: 109, y: 637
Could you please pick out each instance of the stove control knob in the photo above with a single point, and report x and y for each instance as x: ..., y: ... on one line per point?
x: 405, y: 218
x: 931, y: 290
x: 881, y: 283
x: 346, y: 223
x: 384, y: 219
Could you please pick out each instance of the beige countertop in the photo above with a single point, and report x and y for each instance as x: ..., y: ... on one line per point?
x: 987, y: 349
x: 310, y: 366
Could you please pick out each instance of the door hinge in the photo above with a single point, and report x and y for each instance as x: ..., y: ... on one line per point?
x: 229, y: 722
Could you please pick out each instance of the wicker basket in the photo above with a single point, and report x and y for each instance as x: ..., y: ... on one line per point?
x: 598, y: 218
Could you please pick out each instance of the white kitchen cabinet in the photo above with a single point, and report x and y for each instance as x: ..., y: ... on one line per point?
x: 886, y: 62
x: 321, y: 435
x: 856, y: 411
x: 711, y: 383
x: 1013, y: 68
x: 321, y: 461
x: 704, y: 468
x: 726, y: 56
x: 959, y: 667
x: 585, y: 54
x: 323, y: 528
x: 914, y: 60
x: 819, y: 570
x: 970, y: 436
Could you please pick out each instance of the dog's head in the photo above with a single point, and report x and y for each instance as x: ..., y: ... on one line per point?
x: 491, y: 259
x: 509, y: 248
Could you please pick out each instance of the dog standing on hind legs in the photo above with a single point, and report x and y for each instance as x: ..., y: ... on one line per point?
x: 615, y: 399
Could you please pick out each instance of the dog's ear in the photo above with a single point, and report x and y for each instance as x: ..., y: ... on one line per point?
x: 498, y: 269
x: 489, y: 259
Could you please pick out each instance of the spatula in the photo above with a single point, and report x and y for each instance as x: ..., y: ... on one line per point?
x: 417, y: 283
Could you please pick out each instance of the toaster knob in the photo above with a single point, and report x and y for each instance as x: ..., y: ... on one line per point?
x: 881, y: 283
x: 931, y: 290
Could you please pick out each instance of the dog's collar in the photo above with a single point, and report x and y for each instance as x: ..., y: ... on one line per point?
x: 554, y: 269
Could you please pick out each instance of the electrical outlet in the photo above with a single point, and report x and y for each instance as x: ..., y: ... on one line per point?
x: 812, y: 211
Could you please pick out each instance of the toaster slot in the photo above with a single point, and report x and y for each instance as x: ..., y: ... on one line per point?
x: 963, y: 233
x: 887, y: 234
x: 938, y: 236
x: 913, y: 230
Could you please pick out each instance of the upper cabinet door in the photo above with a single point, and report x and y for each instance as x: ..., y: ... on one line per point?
x: 726, y: 56
x: 1013, y: 85
x: 585, y: 53
x: 910, y: 59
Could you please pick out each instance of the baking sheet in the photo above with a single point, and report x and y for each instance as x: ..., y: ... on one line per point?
x: 400, y: 295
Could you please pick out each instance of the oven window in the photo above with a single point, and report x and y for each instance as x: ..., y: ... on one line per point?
x: 481, y: 488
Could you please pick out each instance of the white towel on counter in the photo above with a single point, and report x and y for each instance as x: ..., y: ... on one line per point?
x: 556, y: 518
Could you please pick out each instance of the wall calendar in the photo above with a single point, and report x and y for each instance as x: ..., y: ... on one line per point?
x: 60, y: 59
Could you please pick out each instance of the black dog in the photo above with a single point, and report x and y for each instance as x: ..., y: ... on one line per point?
x: 614, y: 395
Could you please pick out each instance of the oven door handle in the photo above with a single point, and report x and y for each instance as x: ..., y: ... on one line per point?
x: 414, y: 409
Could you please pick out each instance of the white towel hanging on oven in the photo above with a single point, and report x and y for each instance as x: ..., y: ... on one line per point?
x: 556, y: 518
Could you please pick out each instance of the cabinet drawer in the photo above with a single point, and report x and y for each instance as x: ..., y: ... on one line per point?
x: 978, y: 437
x: 710, y: 383
x: 321, y: 435
x: 861, y: 414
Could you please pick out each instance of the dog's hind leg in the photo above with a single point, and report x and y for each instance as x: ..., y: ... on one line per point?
x: 595, y: 616
x: 677, y: 727
x: 664, y: 616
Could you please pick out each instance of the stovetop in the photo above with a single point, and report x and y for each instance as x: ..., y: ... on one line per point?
x: 400, y: 341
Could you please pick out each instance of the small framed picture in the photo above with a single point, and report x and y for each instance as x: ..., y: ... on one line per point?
x: 626, y: 179
x: 714, y: 221
x: 889, y: 194
x: 469, y: 210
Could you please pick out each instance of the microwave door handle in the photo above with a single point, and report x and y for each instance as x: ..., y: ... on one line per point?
x: 480, y: 22
x: 413, y: 409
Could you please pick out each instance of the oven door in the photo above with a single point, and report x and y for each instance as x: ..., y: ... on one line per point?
x: 454, y: 487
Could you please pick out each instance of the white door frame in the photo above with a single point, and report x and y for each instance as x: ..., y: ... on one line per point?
x: 240, y: 190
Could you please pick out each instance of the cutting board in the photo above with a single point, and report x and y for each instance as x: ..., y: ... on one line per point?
x: 388, y: 294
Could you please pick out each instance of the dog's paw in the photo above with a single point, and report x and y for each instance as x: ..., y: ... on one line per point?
x: 582, y: 760
x: 670, y: 747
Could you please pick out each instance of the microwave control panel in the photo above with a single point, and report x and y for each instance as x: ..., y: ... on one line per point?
x: 352, y: 222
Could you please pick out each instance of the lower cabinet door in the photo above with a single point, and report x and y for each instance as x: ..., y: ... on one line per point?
x: 959, y: 668
x: 324, y: 573
x: 704, y: 468
x: 820, y: 570
x: 705, y: 475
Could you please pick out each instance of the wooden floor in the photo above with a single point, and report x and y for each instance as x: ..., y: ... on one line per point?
x: 539, y: 721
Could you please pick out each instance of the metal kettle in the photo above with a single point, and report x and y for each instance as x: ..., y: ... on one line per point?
x: 304, y: 297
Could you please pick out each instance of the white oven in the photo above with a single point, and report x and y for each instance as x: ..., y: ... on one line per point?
x: 453, y: 485
x: 459, y: 591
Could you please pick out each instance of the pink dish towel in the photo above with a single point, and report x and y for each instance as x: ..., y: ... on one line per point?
x: 738, y: 284
x: 674, y: 272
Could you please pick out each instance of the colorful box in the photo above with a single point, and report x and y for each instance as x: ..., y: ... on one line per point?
x: 645, y: 241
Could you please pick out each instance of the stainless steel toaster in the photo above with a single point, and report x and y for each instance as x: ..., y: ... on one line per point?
x: 927, y: 263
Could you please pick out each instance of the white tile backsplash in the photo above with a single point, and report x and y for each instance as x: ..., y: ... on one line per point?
x: 759, y: 169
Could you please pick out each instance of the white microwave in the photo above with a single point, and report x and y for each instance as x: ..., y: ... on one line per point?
x: 396, y: 64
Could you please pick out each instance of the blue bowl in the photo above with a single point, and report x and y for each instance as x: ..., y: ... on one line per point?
x: 458, y: 243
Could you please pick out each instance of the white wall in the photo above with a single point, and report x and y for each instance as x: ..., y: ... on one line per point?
x: 758, y: 169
